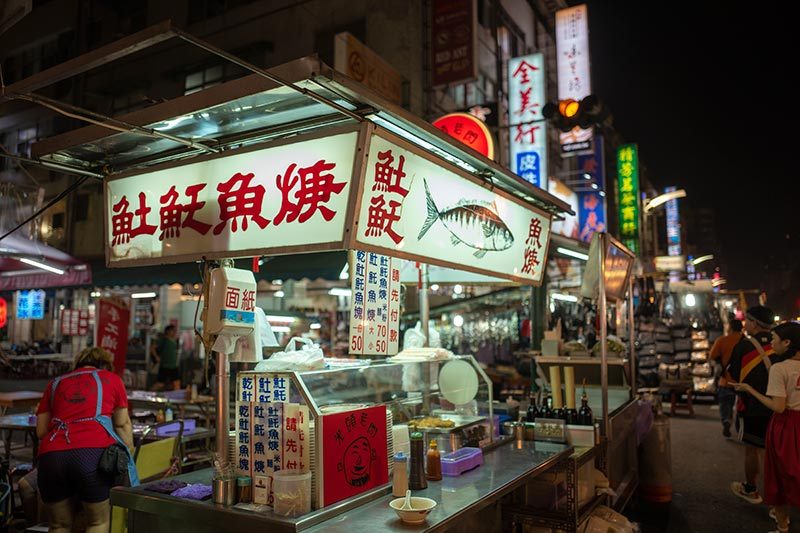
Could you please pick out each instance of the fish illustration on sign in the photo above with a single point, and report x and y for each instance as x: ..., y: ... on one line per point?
x: 472, y: 222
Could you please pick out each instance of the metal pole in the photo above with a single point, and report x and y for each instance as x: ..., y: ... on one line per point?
x: 631, y: 336
x: 223, y: 406
x: 424, y: 317
x: 603, y: 313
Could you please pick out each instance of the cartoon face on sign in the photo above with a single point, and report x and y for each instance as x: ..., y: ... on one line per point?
x: 357, y: 462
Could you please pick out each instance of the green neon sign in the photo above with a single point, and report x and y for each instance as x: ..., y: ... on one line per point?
x: 628, y: 195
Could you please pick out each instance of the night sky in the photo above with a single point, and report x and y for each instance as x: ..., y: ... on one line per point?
x: 704, y: 88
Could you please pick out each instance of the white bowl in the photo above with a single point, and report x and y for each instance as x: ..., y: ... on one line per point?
x: 420, y: 507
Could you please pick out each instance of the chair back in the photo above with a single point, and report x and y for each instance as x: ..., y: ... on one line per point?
x: 154, y: 458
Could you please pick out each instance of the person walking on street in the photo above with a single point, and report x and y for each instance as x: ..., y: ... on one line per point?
x: 750, y: 362
x: 81, y: 415
x: 782, y: 461
x: 722, y: 351
x: 165, y: 353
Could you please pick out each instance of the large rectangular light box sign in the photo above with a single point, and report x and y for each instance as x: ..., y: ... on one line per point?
x: 628, y: 195
x: 528, y: 129
x: 417, y: 209
x: 574, y: 74
x: 286, y: 195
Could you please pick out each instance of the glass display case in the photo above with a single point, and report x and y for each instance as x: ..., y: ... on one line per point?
x: 449, y: 400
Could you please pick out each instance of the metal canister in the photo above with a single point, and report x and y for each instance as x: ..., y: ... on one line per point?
x: 518, y: 431
x: 530, y: 430
x: 655, y: 462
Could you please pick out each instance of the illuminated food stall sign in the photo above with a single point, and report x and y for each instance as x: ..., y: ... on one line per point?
x: 628, y: 195
x: 30, y: 305
x: 368, y: 190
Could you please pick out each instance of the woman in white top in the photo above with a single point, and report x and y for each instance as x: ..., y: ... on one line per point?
x: 782, y: 458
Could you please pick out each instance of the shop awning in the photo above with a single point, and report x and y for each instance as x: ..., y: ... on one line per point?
x: 324, y: 265
x: 30, y: 264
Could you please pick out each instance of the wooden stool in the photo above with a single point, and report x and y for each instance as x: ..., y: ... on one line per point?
x: 674, y: 399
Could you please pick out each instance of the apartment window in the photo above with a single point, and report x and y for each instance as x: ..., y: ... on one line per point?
x: 203, y: 79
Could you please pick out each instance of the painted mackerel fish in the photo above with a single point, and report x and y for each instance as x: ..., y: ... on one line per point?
x: 472, y: 222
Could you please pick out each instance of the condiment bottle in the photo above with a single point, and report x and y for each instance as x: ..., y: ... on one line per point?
x: 585, y: 416
x: 244, y: 489
x: 434, y: 462
x: 400, y: 475
x: 416, y: 478
x: 168, y: 415
x: 533, y: 410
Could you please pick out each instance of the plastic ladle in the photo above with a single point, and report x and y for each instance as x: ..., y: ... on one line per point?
x: 407, y: 503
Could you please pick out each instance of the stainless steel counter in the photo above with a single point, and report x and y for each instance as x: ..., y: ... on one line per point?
x: 505, y: 468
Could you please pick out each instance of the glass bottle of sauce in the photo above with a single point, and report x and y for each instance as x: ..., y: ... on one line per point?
x: 416, y: 478
x: 585, y: 416
x: 434, y: 462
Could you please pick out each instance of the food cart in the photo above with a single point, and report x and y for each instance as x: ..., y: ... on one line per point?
x: 300, y: 159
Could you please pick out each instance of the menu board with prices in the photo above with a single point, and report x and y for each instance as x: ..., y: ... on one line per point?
x: 74, y: 322
x: 271, y: 432
x: 375, y: 309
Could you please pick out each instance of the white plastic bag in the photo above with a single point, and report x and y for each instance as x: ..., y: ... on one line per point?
x: 306, y: 356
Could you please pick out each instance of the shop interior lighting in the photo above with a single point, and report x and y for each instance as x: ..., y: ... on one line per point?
x: 95, y: 294
x: 279, y: 294
x: 139, y: 295
x: 281, y: 329
x: 458, y: 289
x: 664, y: 198
x: 435, y: 287
x: 702, y: 259
x: 458, y: 321
x: 37, y: 264
x: 587, y: 176
x: 572, y: 253
x: 277, y: 282
x: 777, y: 318
x: 603, y: 193
x: 345, y: 273
x: 595, y: 186
x: 278, y: 319
x: 338, y: 291
x: 690, y: 300
x: 564, y: 297
x: 729, y: 304
x: 315, y: 325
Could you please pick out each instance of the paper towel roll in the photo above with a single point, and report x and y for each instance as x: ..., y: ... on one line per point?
x: 569, y: 386
x: 555, y: 385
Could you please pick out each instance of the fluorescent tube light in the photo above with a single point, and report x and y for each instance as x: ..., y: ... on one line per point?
x: 37, y: 264
x: 572, y: 253
x: 138, y: 295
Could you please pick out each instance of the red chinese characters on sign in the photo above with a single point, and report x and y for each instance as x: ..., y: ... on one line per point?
x: 240, y: 200
x: 469, y: 130
x: 113, y: 318
x: 386, y: 180
x: 74, y: 322
x: 526, y: 103
x: 533, y: 247
x: 172, y: 213
x: 526, y: 134
x: 316, y: 188
x: 122, y: 230
x: 354, y: 455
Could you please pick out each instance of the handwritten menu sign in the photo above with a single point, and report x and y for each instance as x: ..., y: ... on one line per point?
x: 354, y: 457
x: 375, y: 311
x: 271, y: 432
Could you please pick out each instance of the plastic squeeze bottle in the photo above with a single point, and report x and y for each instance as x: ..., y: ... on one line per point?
x: 434, y: 462
x: 400, y: 475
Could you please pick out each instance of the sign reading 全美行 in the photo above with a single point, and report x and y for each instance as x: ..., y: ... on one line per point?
x: 528, y: 134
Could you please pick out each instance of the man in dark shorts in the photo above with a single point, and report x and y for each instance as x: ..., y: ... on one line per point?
x: 165, y: 353
x: 750, y: 362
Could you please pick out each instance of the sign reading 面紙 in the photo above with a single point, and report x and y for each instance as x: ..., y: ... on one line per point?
x: 574, y: 75
x: 286, y: 195
x: 417, y: 209
x: 375, y: 308
x: 354, y: 457
x: 528, y: 135
x: 30, y: 305
x: 628, y: 195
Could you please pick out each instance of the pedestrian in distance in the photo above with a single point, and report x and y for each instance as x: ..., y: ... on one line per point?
x: 750, y: 362
x: 721, y: 352
x: 782, y: 457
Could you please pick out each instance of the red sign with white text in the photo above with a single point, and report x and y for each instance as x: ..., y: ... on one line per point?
x: 3, y: 312
x: 355, y: 456
x: 453, y: 41
x: 113, y: 318
x: 469, y: 130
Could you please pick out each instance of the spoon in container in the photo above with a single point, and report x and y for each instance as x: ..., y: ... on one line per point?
x: 407, y: 503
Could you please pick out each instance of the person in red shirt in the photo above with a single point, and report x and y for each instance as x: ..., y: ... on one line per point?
x: 81, y: 414
x: 722, y: 351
